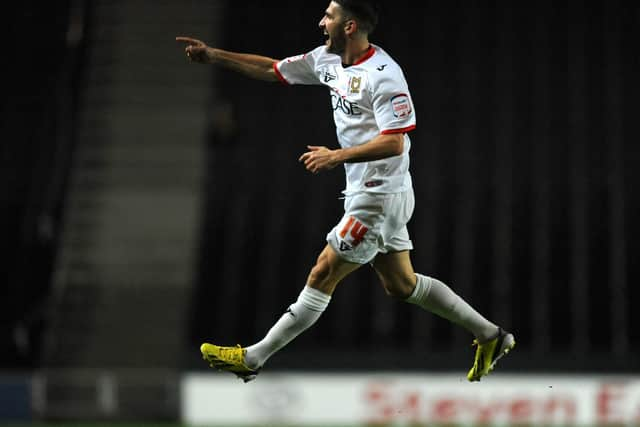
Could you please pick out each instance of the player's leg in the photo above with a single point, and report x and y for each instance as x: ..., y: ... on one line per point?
x: 325, y: 275
x: 351, y: 243
x: 398, y: 278
x: 328, y: 271
x: 393, y: 266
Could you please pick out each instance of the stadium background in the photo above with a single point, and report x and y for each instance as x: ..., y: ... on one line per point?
x: 149, y: 204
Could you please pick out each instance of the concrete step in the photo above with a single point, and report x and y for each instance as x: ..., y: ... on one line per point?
x: 131, y: 220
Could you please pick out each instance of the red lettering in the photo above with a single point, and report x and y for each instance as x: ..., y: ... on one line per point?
x: 445, y: 411
x: 411, y: 407
x: 487, y: 414
x: 553, y: 405
x: 608, y: 396
x: 520, y: 410
x: 357, y: 232
x: 347, y: 226
x: 380, y: 401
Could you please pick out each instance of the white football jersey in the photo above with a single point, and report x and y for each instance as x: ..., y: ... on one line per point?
x: 368, y: 98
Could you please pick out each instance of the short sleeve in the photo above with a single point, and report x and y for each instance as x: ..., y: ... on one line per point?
x: 392, y: 105
x: 299, y: 69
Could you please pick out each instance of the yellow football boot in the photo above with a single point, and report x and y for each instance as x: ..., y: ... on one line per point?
x: 228, y: 359
x: 489, y: 352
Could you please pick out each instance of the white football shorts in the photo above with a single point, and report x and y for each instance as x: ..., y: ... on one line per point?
x: 372, y: 224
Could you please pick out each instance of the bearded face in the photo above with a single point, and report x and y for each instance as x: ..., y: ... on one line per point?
x: 337, y: 41
x: 333, y: 26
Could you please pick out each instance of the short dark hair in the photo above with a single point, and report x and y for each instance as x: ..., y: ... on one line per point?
x: 364, y: 11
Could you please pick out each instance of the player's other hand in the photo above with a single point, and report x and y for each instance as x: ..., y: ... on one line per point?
x: 195, y: 49
x: 319, y: 158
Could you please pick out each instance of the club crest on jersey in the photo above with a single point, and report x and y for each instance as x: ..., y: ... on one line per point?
x: 401, y: 106
x: 354, y: 84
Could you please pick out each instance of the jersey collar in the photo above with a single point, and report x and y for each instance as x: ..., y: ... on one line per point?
x: 368, y: 54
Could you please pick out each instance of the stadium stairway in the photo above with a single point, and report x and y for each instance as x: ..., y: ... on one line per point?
x: 125, y: 264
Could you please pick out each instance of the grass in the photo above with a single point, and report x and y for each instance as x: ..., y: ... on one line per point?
x: 98, y: 424
x: 149, y: 424
x: 143, y: 424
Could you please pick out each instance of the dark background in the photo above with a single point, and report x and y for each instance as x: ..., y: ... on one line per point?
x: 525, y: 161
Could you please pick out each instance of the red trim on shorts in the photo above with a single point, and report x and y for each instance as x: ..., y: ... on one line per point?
x: 366, y: 56
x: 399, y: 130
x: 279, y: 74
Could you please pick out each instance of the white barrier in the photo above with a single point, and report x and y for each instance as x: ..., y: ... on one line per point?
x: 405, y: 399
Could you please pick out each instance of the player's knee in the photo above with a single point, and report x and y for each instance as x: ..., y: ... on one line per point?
x: 400, y: 288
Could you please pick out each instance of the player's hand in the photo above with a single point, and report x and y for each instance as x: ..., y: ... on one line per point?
x: 319, y: 158
x: 195, y: 49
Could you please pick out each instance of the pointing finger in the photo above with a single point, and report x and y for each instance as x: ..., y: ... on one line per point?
x: 190, y: 41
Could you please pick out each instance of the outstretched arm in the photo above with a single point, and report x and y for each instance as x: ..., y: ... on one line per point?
x: 254, y: 66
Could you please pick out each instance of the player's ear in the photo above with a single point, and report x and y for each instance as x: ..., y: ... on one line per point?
x: 351, y: 26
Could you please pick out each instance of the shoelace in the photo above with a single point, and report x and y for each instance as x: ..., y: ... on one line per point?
x: 232, y: 354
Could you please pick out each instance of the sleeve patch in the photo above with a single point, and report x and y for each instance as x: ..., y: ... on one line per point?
x: 401, y: 106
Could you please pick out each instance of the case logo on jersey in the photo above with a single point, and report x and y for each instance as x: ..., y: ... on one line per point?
x: 401, y: 106
x: 339, y: 103
x: 354, y: 84
x: 356, y: 232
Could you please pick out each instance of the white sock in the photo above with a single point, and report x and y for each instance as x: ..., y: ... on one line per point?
x: 300, y: 315
x: 436, y: 297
